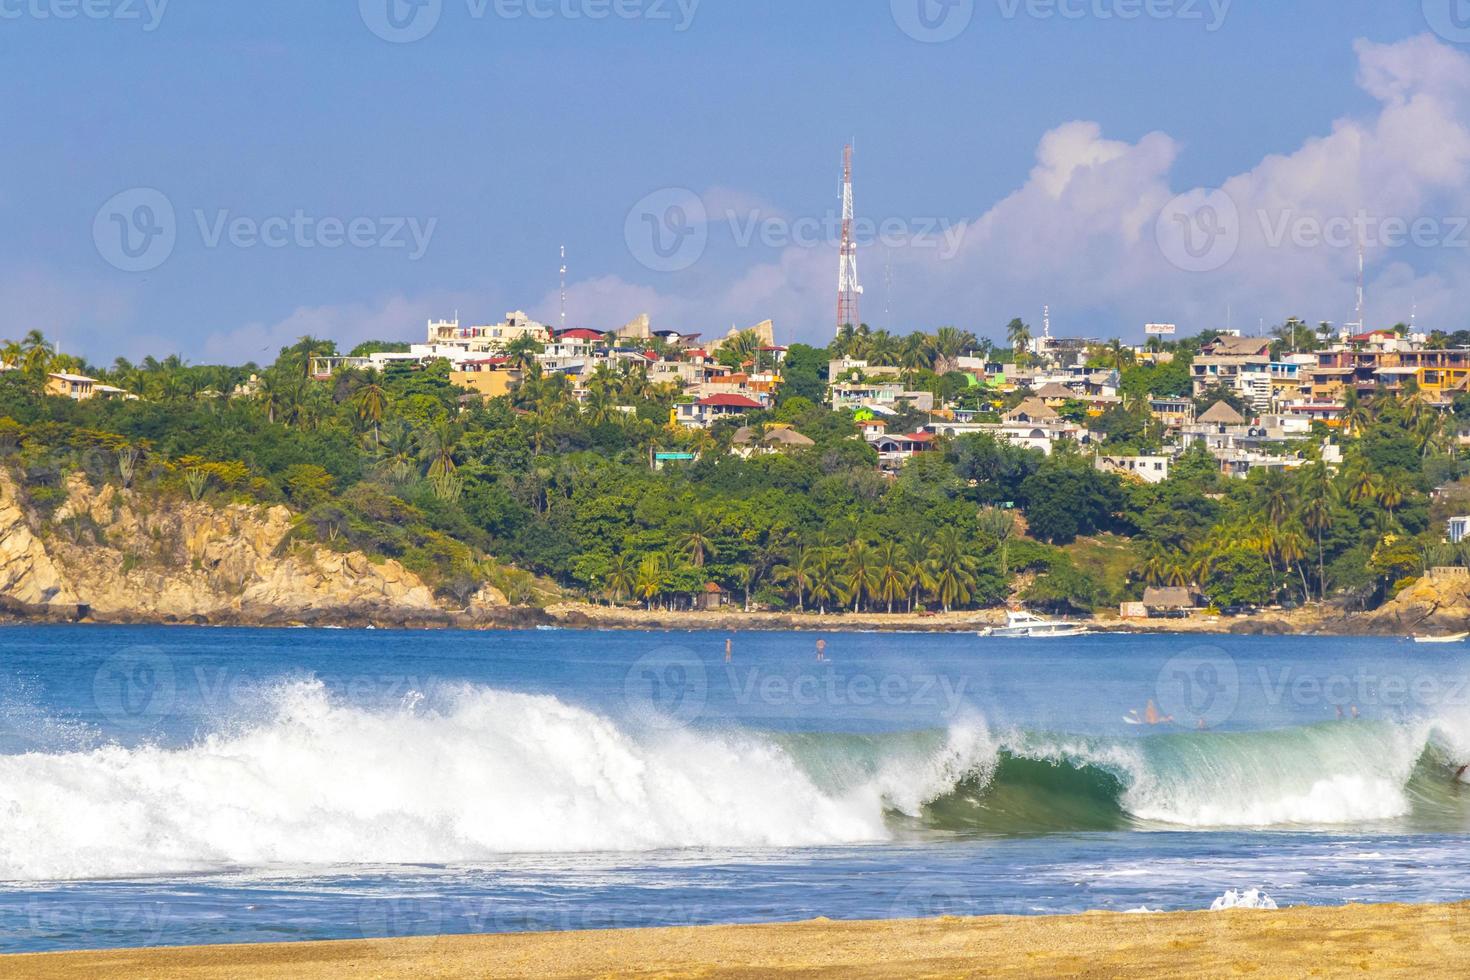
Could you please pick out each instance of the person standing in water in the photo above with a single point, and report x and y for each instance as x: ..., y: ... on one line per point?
x: 729, y: 649
x: 821, y: 651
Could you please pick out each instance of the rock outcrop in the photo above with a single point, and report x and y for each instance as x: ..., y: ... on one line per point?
x: 113, y: 556
x: 1435, y: 604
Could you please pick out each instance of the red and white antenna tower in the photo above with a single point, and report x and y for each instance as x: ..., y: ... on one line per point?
x: 848, y: 288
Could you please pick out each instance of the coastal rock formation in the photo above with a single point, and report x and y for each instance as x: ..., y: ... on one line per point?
x: 111, y: 555
x: 1437, y: 603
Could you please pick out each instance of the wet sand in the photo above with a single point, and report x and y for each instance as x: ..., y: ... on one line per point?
x: 1378, y: 941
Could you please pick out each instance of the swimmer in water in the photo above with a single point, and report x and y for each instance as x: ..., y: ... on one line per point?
x: 729, y: 650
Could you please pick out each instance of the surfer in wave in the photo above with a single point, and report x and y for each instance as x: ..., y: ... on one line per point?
x: 1151, y: 716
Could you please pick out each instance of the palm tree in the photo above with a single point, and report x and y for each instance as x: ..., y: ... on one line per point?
x: 951, y: 568
x: 622, y: 577
x: 372, y: 403
x: 652, y: 576
x: 916, y: 353
x: 439, y: 445
x: 1392, y: 493
x: 1316, y: 514
x: 698, y: 537
x: 1019, y: 335
x: 397, y: 452
x: 1276, y: 497
x: 1356, y: 416
x: 893, y: 573
x: 949, y: 344
x: 826, y: 585
x: 860, y: 572
x: 1363, y: 486
x: 798, y: 572
x: 522, y: 353
x: 1291, y: 548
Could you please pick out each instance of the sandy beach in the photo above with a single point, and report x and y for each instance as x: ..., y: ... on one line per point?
x: 1379, y: 941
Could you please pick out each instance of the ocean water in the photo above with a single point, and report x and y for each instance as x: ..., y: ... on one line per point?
x: 172, y: 786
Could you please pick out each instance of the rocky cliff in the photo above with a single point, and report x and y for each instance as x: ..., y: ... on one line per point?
x: 112, y: 556
x: 1438, y: 603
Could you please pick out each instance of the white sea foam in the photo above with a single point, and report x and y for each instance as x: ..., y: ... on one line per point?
x: 484, y: 773
x: 1252, y: 898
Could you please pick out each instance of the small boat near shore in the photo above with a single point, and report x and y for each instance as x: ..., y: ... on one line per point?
x: 1027, y: 626
x: 1452, y: 638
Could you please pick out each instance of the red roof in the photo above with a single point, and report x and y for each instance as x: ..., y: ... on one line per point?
x: 729, y: 401
x: 581, y: 333
x: 920, y: 437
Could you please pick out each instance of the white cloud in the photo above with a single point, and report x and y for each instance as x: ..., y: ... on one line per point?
x: 1079, y: 233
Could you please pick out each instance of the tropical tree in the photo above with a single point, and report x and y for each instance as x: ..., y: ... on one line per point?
x: 698, y: 537
x: 1019, y: 336
x: 372, y: 404
x: 951, y: 568
x: 893, y: 573
x: 1000, y: 525
x: 860, y: 572
x: 798, y: 573
x: 622, y: 577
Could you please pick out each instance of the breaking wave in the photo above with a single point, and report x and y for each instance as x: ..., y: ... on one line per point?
x: 473, y: 773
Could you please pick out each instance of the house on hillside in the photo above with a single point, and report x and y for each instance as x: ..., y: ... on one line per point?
x: 894, y: 451
x: 1033, y: 411
x: 707, y: 411
x: 1240, y: 364
x: 747, y: 443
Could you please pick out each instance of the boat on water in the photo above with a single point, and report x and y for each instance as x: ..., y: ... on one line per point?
x: 1452, y: 638
x: 1025, y: 625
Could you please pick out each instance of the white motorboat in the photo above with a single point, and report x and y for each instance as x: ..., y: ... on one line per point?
x: 1453, y: 638
x: 1024, y: 625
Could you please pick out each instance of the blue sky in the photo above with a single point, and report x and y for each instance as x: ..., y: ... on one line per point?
x: 502, y: 138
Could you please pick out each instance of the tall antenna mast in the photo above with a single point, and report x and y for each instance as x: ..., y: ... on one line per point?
x: 848, y: 289
x: 563, y: 287
x: 1361, y: 326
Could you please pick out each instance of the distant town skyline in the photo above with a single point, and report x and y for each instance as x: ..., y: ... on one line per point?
x: 357, y: 174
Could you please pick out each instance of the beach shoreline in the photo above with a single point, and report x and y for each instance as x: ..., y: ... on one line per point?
x: 1388, y: 940
x: 594, y: 618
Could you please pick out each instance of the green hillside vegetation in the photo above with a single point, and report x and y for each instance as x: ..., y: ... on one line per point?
x: 462, y: 492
